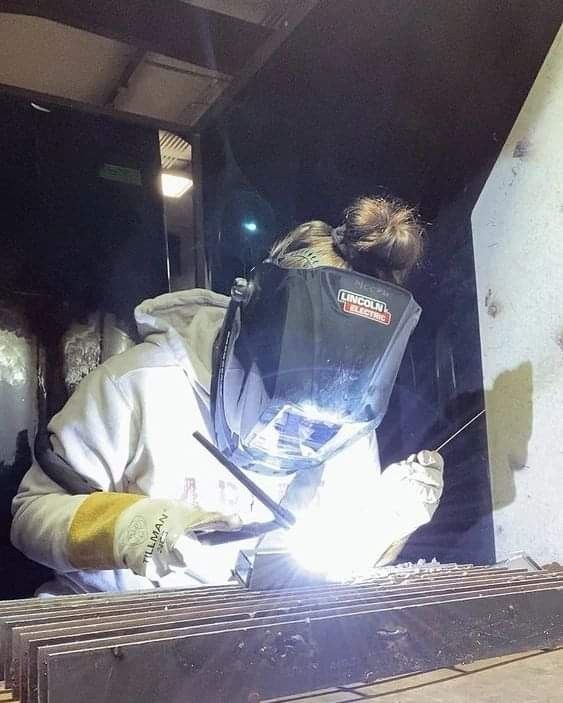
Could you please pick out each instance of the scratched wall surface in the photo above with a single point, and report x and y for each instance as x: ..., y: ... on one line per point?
x: 18, y: 423
x: 518, y: 242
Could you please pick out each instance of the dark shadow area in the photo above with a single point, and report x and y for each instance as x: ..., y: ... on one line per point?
x: 15, y: 569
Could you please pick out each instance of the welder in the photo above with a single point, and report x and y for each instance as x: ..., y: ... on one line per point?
x: 289, y: 378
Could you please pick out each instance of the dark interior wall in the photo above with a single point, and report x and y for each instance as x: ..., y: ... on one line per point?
x: 72, y: 243
x: 407, y: 97
x: 81, y: 209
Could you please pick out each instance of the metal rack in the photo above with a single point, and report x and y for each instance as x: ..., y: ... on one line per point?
x: 229, y: 644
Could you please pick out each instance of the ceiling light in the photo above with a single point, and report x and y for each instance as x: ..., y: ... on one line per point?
x: 174, y: 186
x: 250, y: 226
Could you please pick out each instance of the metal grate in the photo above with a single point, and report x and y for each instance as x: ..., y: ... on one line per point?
x: 228, y: 644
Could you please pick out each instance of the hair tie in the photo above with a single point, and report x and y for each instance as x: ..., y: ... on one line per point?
x: 339, y: 240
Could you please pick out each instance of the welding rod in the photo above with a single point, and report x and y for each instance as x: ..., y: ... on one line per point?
x: 284, y: 517
x: 461, y: 429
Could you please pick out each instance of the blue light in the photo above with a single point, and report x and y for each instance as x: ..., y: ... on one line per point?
x: 250, y: 226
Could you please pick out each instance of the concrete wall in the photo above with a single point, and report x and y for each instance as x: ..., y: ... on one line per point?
x: 518, y: 242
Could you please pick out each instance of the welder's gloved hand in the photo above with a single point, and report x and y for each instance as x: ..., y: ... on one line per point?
x: 348, y: 535
x: 152, y: 537
x: 411, y: 492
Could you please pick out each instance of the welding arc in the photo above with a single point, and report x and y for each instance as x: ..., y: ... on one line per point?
x: 283, y: 517
x: 461, y: 429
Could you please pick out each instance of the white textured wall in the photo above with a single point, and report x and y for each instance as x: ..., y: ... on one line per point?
x: 518, y: 240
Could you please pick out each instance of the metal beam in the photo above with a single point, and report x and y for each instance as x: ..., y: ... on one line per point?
x: 295, y: 15
x: 202, y: 274
x: 132, y: 65
x: 169, y: 27
x: 47, y: 99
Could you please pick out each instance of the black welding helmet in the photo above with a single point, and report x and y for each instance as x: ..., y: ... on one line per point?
x: 305, y: 364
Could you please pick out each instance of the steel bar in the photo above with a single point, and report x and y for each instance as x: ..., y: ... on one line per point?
x: 187, y: 620
x: 28, y: 638
x: 80, y: 608
x: 233, y: 644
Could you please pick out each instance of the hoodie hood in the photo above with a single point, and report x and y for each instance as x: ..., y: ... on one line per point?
x: 187, y: 324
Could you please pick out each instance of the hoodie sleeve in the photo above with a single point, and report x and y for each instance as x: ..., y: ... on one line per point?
x: 96, y: 433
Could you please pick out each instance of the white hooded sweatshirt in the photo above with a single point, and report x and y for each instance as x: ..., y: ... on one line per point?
x: 128, y: 428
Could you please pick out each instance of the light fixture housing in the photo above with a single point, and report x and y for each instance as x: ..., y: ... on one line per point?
x: 174, y: 185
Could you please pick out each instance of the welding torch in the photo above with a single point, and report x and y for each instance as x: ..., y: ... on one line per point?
x: 282, y: 517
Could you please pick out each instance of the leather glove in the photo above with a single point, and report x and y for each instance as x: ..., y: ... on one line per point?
x: 411, y: 491
x: 414, y: 488
x: 348, y: 538
x: 152, y: 537
x: 155, y: 536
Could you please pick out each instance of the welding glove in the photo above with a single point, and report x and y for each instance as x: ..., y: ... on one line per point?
x: 410, y: 492
x: 349, y: 534
x: 152, y: 537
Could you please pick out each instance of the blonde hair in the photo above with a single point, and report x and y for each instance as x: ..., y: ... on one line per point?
x: 380, y: 237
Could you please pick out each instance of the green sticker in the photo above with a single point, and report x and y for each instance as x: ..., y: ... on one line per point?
x: 111, y: 172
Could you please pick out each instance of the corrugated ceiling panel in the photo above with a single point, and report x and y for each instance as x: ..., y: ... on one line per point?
x: 44, y: 56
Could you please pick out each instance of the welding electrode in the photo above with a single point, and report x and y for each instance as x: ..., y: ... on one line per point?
x: 461, y: 429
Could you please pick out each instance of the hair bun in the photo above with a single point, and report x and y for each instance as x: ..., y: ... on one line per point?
x: 382, y: 237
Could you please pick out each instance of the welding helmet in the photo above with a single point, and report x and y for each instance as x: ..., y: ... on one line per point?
x: 305, y: 364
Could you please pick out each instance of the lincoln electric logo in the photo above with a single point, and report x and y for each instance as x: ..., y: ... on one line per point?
x: 361, y: 305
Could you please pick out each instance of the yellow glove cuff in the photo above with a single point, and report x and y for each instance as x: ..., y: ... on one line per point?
x: 91, y: 533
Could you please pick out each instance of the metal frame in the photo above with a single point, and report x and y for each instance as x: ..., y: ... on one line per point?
x: 297, y: 12
x: 49, y: 100
x: 202, y: 271
x: 172, y: 28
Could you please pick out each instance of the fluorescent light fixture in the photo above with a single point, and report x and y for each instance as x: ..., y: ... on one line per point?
x: 250, y: 226
x: 174, y: 185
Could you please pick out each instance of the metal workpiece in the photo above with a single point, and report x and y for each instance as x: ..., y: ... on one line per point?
x: 229, y: 644
x: 266, y: 570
